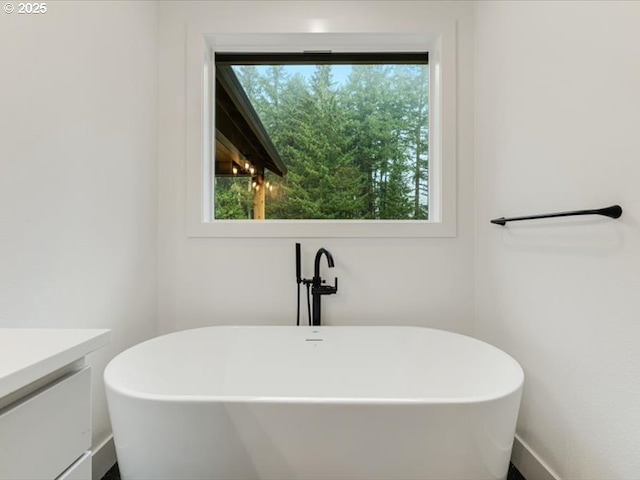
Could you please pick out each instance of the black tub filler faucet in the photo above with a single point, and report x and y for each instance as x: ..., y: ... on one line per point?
x: 318, y: 285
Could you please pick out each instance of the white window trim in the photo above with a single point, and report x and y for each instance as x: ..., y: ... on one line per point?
x: 439, y: 42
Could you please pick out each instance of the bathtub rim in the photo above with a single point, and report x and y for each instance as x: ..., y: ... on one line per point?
x: 198, y: 399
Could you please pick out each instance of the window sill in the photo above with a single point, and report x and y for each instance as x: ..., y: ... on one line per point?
x: 322, y: 229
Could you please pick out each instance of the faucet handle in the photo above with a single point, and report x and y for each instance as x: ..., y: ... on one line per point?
x: 325, y: 289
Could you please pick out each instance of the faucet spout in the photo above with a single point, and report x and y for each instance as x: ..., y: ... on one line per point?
x: 316, y: 266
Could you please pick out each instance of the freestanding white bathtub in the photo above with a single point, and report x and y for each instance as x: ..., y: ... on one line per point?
x: 313, y: 403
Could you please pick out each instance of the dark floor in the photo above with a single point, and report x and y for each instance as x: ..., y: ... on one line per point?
x: 514, y: 474
x: 114, y: 474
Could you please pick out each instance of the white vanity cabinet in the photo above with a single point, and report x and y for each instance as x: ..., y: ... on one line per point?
x: 45, y: 403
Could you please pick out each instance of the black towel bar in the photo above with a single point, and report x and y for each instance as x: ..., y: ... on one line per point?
x: 613, y: 211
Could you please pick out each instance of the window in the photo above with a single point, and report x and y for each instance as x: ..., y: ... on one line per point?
x: 320, y: 135
x: 433, y: 206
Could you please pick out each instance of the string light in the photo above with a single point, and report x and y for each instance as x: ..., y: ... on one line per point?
x: 256, y: 183
x: 247, y: 169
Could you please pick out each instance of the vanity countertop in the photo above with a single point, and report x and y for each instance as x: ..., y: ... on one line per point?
x: 27, y: 354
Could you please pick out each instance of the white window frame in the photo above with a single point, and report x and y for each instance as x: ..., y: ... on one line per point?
x: 440, y: 43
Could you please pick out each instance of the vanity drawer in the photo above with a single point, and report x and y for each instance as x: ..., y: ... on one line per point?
x: 44, y: 433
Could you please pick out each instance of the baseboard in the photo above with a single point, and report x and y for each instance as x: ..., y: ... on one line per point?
x: 103, y: 458
x: 528, y: 463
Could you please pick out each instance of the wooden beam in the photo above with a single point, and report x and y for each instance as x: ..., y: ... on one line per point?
x: 259, y: 197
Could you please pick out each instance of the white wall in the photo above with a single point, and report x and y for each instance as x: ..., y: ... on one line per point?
x: 558, y: 110
x: 209, y: 281
x: 78, y: 176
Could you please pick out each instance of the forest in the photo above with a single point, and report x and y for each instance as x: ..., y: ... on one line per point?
x: 355, y: 149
